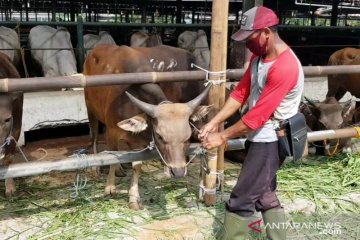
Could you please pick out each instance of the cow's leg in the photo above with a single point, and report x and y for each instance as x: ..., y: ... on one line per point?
x: 9, y: 187
x: 94, y: 131
x: 110, y: 188
x: 10, y: 150
x: 134, y: 196
x: 9, y: 182
x: 334, y: 87
x: 119, y: 171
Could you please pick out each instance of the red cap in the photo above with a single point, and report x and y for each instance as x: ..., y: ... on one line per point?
x: 254, y: 19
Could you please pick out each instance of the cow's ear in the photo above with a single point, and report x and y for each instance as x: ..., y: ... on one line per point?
x: 200, y: 113
x: 347, y: 107
x: 135, y: 124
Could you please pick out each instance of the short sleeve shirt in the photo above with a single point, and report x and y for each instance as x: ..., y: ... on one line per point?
x: 272, y: 90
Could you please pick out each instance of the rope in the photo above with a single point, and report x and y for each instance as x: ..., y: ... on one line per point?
x: 197, y: 151
x: 8, y: 141
x: 45, y: 154
x: 327, y: 147
x: 22, y: 54
x: 157, y: 149
x: 208, y: 191
x: 219, y: 75
x: 80, y: 179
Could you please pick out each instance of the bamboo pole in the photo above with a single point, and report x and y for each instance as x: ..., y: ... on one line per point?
x: 217, y: 94
x: 80, y: 80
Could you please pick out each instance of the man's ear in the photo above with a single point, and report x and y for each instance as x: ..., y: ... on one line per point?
x: 267, y: 31
x: 200, y: 113
x: 135, y: 124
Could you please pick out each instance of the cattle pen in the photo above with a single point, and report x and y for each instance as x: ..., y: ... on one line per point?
x: 60, y: 198
x: 83, y: 161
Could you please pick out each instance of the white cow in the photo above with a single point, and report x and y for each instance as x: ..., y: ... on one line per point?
x: 196, y: 42
x: 57, y: 58
x: 9, y: 40
x: 92, y: 40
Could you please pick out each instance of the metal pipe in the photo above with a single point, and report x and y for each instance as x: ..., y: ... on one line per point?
x: 332, y: 134
x: 80, y: 37
x: 91, y: 160
x: 113, y: 157
x: 111, y: 24
x: 72, y: 163
x: 80, y: 80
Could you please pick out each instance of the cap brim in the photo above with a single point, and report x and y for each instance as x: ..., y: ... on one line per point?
x: 241, y: 35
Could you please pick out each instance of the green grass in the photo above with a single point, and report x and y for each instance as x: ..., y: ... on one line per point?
x: 50, y: 212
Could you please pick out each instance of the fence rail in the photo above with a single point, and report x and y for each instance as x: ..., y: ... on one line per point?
x: 114, y: 157
x: 80, y: 80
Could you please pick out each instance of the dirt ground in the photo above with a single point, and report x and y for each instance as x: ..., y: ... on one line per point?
x: 45, y: 207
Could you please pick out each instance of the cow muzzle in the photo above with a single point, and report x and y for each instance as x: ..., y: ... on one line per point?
x: 178, y: 172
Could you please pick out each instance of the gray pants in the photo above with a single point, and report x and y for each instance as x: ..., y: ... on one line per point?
x: 255, y: 189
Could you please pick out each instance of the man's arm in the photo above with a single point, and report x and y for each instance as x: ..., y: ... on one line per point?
x: 235, y: 130
x: 230, y: 107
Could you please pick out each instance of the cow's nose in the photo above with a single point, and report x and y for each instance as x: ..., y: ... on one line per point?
x: 178, y: 172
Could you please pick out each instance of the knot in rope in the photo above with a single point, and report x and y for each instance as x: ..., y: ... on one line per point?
x: 6, y: 142
x: 218, y: 76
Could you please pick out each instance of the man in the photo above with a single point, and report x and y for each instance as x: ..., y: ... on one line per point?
x: 271, y: 89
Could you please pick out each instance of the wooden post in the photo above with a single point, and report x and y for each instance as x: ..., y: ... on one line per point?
x: 219, y: 35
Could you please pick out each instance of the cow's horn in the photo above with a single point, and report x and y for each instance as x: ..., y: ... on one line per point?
x: 197, y: 101
x: 311, y: 102
x: 149, y: 109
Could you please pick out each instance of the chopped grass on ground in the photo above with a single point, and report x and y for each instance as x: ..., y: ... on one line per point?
x: 44, y: 212
x: 322, y: 179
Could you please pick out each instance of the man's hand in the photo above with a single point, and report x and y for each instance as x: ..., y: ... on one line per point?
x: 206, y: 129
x: 213, y: 140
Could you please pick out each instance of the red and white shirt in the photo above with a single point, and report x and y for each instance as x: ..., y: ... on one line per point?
x: 272, y: 91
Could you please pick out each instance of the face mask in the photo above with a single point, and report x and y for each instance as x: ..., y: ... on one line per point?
x: 254, y: 46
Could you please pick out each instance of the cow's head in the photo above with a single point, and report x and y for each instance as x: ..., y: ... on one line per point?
x: 171, y: 128
x: 326, y: 115
x: 6, y: 121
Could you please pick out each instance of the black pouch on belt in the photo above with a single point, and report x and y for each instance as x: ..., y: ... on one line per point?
x: 292, y: 136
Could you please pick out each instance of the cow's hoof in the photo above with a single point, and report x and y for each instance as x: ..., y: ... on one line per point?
x: 10, y: 192
x: 110, y: 190
x: 136, y: 206
x: 9, y: 188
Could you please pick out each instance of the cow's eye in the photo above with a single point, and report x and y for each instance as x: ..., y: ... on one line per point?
x: 7, y: 119
x: 159, y: 137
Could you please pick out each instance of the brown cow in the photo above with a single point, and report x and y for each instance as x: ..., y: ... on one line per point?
x: 329, y: 114
x: 339, y: 84
x: 11, y: 105
x: 127, y: 127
